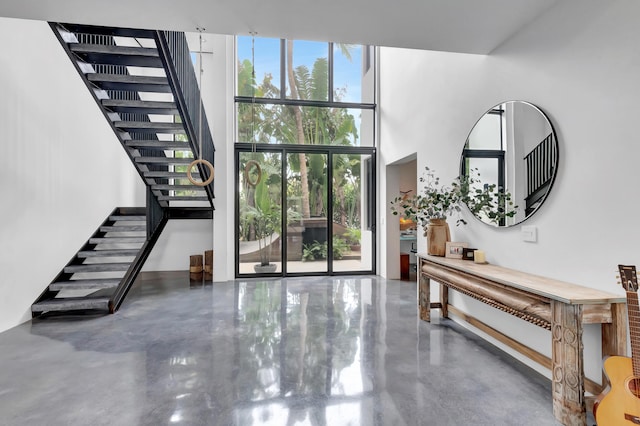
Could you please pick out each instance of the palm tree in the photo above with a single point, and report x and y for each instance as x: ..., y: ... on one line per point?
x: 296, y: 124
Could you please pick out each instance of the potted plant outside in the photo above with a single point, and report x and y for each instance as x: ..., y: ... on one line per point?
x: 266, y: 225
x: 353, y: 237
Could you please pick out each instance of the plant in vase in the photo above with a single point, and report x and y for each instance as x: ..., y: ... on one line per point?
x: 434, y: 203
x: 353, y: 236
x: 266, y: 225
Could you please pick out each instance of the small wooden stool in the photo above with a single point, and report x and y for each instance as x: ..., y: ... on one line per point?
x: 208, y: 265
x: 195, y: 267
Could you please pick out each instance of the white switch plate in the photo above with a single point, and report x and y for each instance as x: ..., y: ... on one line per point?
x: 529, y: 234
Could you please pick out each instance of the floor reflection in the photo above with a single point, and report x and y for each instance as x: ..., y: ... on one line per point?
x: 300, y: 352
x: 294, y: 351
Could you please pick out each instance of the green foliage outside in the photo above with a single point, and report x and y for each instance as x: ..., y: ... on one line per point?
x: 306, y: 182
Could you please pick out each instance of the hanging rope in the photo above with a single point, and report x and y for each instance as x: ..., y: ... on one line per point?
x: 200, y: 160
x: 253, y: 163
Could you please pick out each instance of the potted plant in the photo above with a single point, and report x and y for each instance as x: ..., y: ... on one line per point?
x: 353, y: 236
x: 434, y: 203
x: 266, y: 225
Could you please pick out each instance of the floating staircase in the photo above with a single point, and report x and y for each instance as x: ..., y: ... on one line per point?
x: 92, y: 278
x: 145, y: 85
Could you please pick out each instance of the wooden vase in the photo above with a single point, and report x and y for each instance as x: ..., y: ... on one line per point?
x: 437, y: 236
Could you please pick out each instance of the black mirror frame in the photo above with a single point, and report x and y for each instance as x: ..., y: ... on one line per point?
x: 549, y: 183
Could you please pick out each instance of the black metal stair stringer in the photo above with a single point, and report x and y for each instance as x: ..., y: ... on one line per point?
x: 105, y: 68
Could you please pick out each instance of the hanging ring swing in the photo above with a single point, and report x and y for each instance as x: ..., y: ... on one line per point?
x: 200, y: 160
x: 253, y: 163
x: 204, y: 163
x: 247, y: 171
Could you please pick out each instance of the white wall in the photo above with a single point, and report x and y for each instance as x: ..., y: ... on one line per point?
x: 579, y: 63
x: 62, y: 170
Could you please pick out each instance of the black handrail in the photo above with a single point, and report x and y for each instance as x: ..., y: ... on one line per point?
x: 540, y: 162
x: 176, y: 58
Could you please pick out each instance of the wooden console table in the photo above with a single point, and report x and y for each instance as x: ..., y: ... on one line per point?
x: 557, y: 306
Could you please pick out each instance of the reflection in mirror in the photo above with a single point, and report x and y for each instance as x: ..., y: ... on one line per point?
x: 514, y: 146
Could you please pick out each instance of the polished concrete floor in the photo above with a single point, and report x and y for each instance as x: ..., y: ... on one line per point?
x: 309, y: 351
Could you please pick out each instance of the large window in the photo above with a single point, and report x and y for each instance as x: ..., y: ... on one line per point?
x: 303, y: 92
x: 304, y: 155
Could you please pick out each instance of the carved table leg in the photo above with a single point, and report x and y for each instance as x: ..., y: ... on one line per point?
x: 444, y: 300
x: 424, y: 296
x: 567, y: 364
x: 614, y: 335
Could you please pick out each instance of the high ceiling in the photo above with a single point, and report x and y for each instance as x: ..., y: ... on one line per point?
x: 470, y: 26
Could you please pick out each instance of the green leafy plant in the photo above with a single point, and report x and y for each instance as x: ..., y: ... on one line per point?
x: 266, y: 223
x: 437, y: 201
x: 318, y: 251
x: 353, y: 235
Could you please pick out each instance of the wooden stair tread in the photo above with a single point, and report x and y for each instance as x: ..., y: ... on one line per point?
x: 130, y: 82
x: 182, y: 198
x: 97, y: 267
x: 128, y: 218
x: 167, y: 187
x: 135, y: 106
x: 159, y: 145
x: 170, y: 175
x: 107, y: 253
x: 148, y: 126
x: 117, y: 55
x: 71, y: 303
x: 116, y: 240
x: 123, y: 228
x: 93, y: 284
x: 163, y: 160
x: 112, y: 31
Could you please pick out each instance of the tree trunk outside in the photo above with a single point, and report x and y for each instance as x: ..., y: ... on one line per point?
x: 304, y: 180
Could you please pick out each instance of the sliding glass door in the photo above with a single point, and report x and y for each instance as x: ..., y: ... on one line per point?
x: 318, y: 219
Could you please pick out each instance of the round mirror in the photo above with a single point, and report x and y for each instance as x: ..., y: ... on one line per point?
x: 514, y: 147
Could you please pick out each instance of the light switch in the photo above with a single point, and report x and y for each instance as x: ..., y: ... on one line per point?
x: 529, y: 234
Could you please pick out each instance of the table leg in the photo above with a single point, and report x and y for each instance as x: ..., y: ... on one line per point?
x: 567, y: 364
x: 614, y: 335
x: 444, y: 300
x: 424, y: 296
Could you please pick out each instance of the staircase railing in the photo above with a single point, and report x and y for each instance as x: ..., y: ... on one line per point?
x: 176, y: 57
x: 540, y: 169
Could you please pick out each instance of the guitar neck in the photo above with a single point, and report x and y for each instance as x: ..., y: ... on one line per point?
x: 633, y: 312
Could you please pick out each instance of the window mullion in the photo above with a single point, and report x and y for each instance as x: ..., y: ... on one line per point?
x: 283, y: 69
x: 330, y: 85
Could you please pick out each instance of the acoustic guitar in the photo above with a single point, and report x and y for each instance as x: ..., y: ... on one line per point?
x: 619, y: 404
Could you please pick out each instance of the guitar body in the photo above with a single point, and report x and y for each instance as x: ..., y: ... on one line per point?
x: 620, y: 405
